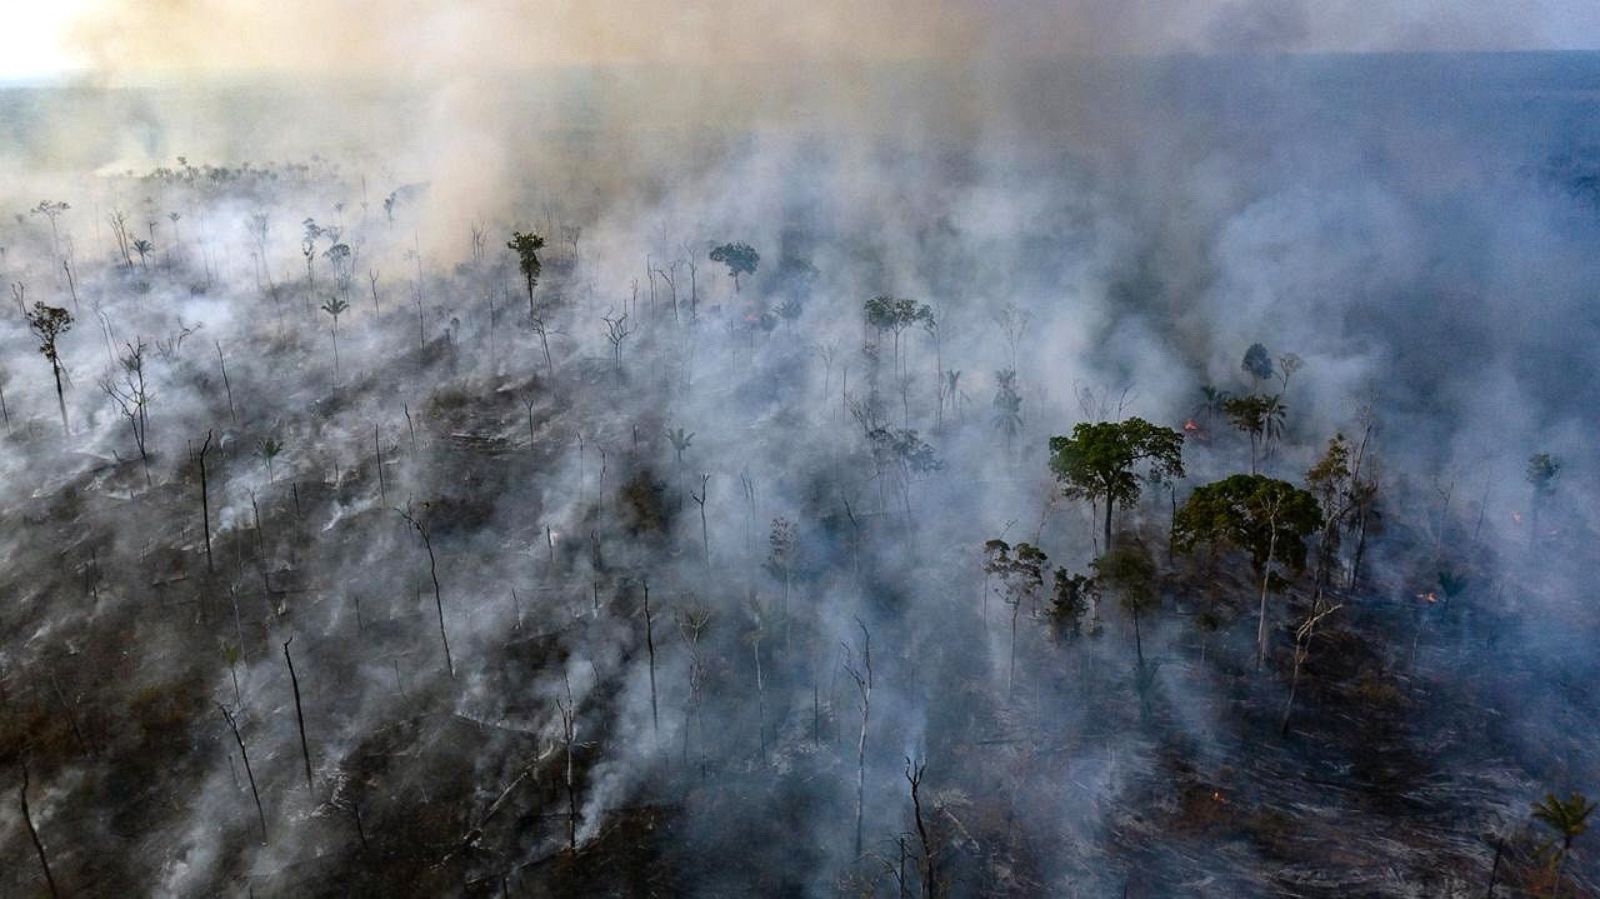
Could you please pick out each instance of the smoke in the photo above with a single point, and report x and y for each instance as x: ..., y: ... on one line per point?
x: 1114, y: 228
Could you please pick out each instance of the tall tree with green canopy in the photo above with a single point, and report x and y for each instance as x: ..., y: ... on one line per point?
x: 527, y: 247
x: 1130, y: 572
x: 1260, y: 417
x: 740, y: 258
x: 1257, y: 362
x: 895, y: 314
x: 1264, y: 517
x: 48, y: 323
x: 1096, y: 462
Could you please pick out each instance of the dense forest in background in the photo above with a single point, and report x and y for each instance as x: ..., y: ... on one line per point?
x: 1179, y: 486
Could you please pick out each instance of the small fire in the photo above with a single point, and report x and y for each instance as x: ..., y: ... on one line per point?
x: 1430, y: 596
x: 1216, y: 796
x: 1190, y: 426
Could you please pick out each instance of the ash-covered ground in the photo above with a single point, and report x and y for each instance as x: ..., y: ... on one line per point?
x: 346, y: 554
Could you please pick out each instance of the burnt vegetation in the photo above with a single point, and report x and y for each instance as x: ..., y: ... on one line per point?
x: 563, y: 568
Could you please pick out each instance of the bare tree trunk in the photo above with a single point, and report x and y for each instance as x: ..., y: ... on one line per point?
x: 226, y: 386
x: 260, y: 815
x: 1266, y: 580
x: 33, y: 833
x: 438, y: 598
x: 914, y: 774
x: 650, y: 646
x: 863, y: 679
x: 61, y: 398
x: 761, y: 702
x: 205, y: 498
x: 299, y: 713
x: 377, y: 448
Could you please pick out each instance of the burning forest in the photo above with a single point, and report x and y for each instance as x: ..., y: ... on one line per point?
x: 502, y: 449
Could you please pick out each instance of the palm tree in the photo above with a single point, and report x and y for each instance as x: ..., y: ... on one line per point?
x: 335, y: 307
x: 1211, y: 403
x: 268, y: 451
x: 143, y: 248
x: 1569, y: 819
x: 1007, y: 406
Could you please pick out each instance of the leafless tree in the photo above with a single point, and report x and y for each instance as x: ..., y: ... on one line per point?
x: 569, y: 737
x: 862, y: 676
x: 433, y: 572
x: 205, y: 495
x: 249, y: 773
x: 914, y: 775
x: 33, y: 832
x: 700, y: 500
x: 299, y: 711
x: 617, y: 330
x: 128, y: 390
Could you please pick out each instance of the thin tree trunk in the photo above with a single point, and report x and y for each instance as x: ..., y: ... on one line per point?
x: 61, y: 399
x: 33, y: 833
x: 205, y: 498
x: 299, y: 713
x: 650, y: 646
x: 249, y: 773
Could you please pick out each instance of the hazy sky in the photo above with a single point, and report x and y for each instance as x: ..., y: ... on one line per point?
x: 46, y: 38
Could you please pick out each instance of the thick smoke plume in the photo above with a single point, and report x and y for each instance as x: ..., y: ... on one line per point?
x: 656, y: 574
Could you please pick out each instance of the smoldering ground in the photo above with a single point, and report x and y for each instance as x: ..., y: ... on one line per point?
x: 1117, y: 232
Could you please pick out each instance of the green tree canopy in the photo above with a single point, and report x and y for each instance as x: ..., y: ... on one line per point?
x: 1096, y: 462
x: 1253, y: 513
x: 527, y: 247
x: 1266, y: 518
x: 740, y: 258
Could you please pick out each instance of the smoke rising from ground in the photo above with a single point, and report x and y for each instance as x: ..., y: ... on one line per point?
x: 1116, y: 231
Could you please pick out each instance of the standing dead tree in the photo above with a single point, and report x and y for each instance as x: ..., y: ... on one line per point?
x: 863, y: 678
x: 650, y: 646
x: 1302, y: 648
x: 569, y: 736
x: 248, y: 772
x: 33, y: 832
x: 700, y: 500
x: 299, y: 711
x: 617, y: 331
x: 205, y: 496
x: 433, y: 572
x: 129, y: 392
x: 227, y: 386
x: 914, y: 775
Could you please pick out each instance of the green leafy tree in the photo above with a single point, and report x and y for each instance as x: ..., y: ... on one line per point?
x: 1020, y: 572
x: 1257, y: 362
x: 48, y: 323
x: 1543, y: 469
x: 1130, y: 572
x: 1096, y: 462
x: 894, y: 315
x: 1569, y: 818
x: 1266, y: 518
x: 527, y: 247
x: 1260, y: 417
x: 1071, y: 597
x: 740, y: 258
